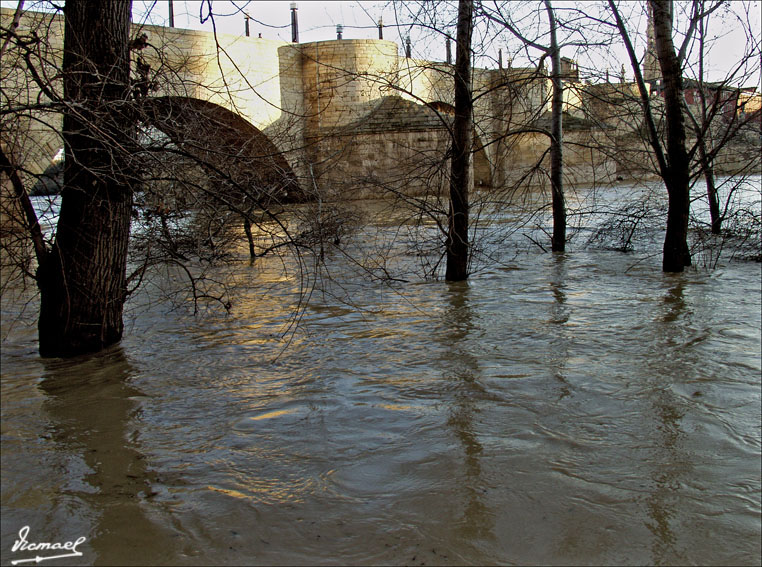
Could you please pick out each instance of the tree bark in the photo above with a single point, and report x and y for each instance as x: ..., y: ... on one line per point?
x: 83, y: 279
x: 676, y: 254
x: 558, y: 242
x: 461, y: 174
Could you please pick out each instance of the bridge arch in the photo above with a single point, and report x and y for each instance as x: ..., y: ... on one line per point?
x: 225, y: 143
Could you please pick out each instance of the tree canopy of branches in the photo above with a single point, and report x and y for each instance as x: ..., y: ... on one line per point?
x: 190, y: 173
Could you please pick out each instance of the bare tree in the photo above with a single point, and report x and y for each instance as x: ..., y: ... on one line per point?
x: 675, y: 166
x: 717, y: 116
x: 461, y: 175
x: 552, y: 51
x: 190, y: 177
x: 82, y: 276
x: 556, y: 139
x: 674, y: 153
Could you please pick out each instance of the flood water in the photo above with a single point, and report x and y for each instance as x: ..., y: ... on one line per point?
x: 582, y: 408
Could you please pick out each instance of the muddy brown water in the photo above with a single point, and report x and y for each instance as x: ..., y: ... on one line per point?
x: 578, y: 408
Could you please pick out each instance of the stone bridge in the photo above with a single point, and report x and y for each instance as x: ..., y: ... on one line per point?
x: 349, y: 117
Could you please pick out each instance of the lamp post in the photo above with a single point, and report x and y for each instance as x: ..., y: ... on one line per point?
x: 294, y: 24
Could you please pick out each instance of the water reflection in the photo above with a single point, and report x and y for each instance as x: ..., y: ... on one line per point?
x: 669, y: 461
x: 94, y: 422
x: 462, y: 370
x: 666, y: 475
x: 559, y: 316
x: 674, y: 302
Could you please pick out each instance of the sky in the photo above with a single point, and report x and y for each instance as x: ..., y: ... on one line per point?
x: 317, y: 22
x: 318, y: 19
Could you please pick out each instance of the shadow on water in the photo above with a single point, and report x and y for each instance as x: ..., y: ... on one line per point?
x: 462, y: 370
x: 94, y: 416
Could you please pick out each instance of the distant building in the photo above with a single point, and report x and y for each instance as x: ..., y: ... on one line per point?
x: 651, y: 69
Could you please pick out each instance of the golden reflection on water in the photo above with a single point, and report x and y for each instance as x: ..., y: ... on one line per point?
x: 272, y: 414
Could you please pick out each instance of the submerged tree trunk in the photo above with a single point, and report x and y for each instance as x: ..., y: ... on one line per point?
x: 711, y: 190
x: 558, y: 242
x: 249, y: 237
x: 82, y: 280
x: 676, y: 254
x: 461, y: 175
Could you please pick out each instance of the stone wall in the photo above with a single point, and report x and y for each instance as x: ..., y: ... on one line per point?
x: 342, y: 78
x: 348, y: 85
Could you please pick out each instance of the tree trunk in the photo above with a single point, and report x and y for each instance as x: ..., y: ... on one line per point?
x: 461, y: 175
x: 676, y: 253
x: 558, y: 242
x: 83, y: 279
